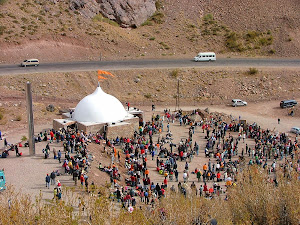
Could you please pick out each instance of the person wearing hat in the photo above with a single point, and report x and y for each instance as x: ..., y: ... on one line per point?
x: 58, y: 185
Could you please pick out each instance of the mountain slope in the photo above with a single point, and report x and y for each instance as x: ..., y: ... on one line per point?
x: 52, y: 32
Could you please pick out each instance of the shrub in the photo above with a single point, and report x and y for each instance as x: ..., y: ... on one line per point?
x: 269, y: 40
x: 147, y: 23
x: 174, y: 73
x: 100, y: 18
x: 263, y: 41
x: 24, y: 138
x: 24, y: 20
x: 2, y: 2
x: 208, y: 17
x: 164, y: 45
x: 252, y: 71
x: 152, y: 38
x: 157, y: 17
x: 206, y: 32
x: 272, y: 51
x: 158, y: 5
x: 2, y: 29
x: 191, y: 25
x: 232, y: 41
x: 19, y: 118
x: 1, y: 115
x: 251, y: 35
x: 148, y: 95
x: 12, y: 16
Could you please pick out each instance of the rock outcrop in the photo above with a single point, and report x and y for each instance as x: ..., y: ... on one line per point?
x: 127, y: 13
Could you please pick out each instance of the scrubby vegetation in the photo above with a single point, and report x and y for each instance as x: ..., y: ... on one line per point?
x: 174, y: 73
x: 255, y: 199
x: 239, y: 42
x: 2, y: 2
x: 157, y: 17
x: 252, y: 71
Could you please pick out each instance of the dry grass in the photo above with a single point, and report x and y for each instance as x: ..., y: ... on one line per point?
x: 254, y: 200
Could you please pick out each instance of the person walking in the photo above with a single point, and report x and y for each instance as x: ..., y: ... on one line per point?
x: 201, y: 190
x: 5, y: 143
x: 54, y: 153
x: 52, y: 177
x: 176, y: 175
x: 48, y: 181
x: 199, y: 175
x: 59, y: 156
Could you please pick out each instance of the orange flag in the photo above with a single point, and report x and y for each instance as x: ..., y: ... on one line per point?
x: 105, y: 72
x: 101, y: 78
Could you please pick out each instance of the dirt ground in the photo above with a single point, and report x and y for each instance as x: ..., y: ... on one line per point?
x: 27, y: 174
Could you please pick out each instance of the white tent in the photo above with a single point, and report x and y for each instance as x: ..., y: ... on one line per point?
x: 99, y: 107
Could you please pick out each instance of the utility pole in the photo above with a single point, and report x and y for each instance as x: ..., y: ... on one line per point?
x: 31, y: 141
x: 177, y: 97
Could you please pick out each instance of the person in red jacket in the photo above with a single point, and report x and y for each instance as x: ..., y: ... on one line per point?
x: 205, y: 189
x: 81, y: 179
x: 218, y: 177
x: 181, y: 155
x: 165, y: 182
x: 52, y: 136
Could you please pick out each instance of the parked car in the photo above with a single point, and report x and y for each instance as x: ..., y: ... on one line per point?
x: 288, y: 103
x: 238, y: 102
x: 295, y: 130
x: 2, y: 180
x: 30, y: 62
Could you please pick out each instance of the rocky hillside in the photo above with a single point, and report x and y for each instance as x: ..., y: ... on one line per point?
x: 145, y: 87
x: 63, y: 30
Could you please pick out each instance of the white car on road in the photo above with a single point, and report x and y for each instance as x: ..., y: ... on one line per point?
x: 238, y: 102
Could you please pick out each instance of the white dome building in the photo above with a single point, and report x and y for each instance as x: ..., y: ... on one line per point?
x: 103, y: 113
x: 99, y: 107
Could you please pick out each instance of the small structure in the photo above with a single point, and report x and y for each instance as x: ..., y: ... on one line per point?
x: 103, y: 113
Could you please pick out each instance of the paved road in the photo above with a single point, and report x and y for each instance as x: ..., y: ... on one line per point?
x: 148, y: 64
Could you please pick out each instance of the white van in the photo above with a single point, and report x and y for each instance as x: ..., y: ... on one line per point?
x: 30, y: 62
x: 238, y: 102
x: 205, y: 56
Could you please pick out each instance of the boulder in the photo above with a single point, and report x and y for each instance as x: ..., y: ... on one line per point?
x: 127, y: 13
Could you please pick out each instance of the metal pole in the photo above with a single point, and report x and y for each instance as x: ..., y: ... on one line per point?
x: 31, y: 141
x: 178, y: 94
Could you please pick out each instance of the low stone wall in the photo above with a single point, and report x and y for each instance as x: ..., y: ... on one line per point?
x: 120, y: 130
x: 92, y: 128
x: 60, y: 123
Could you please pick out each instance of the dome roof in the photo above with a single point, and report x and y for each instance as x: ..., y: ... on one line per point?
x: 99, y: 107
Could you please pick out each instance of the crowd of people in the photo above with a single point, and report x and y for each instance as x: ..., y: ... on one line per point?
x: 205, y: 162
x: 229, y: 146
x: 76, y: 161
